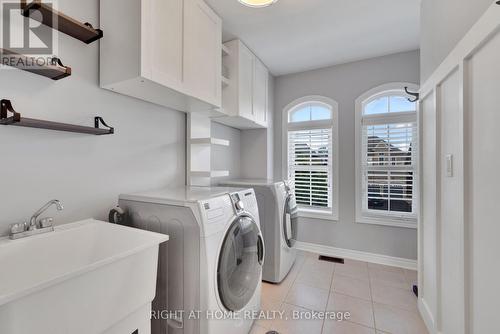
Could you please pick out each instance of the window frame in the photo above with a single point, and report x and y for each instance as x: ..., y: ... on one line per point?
x: 332, y: 123
x: 390, y: 89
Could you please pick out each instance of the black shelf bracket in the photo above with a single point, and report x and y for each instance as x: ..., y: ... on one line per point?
x: 46, y: 14
x: 98, y: 120
x: 16, y: 120
x: 415, y: 95
x: 6, y: 107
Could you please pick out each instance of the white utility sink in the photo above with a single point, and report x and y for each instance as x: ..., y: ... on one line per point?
x: 88, y: 277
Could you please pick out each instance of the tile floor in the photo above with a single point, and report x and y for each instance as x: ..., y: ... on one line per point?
x: 378, y: 298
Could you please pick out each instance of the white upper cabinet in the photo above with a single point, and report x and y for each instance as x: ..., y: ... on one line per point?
x: 260, y: 92
x: 163, y: 42
x: 202, y: 51
x: 162, y: 51
x: 245, y: 98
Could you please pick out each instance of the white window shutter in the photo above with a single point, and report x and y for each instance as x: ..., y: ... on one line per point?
x: 310, y: 154
x: 389, y: 162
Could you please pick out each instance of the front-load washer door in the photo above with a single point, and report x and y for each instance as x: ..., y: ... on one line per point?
x: 290, y: 221
x: 240, y: 264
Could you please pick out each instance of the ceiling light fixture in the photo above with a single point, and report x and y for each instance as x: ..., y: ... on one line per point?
x: 257, y: 3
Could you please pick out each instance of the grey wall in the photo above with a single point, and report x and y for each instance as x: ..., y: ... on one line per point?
x: 345, y: 83
x: 85, y: 172
x: 257, y: 150
x: 443, y: 24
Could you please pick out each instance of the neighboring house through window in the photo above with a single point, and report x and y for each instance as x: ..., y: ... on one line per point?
x: 311, y: 155
x: 386, y: 157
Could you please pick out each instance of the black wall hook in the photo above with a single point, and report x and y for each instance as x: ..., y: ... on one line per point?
x: 416, y: 95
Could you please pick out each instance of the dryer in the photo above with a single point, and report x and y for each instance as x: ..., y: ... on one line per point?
x: 278, y: 219
x: 209, y: 274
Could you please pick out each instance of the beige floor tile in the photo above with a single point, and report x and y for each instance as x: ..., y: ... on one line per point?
x: 318, y: 265
x: 395, y: 279
x: 345, y: 327
x: 307, y: 297
x: 353, y: 270
x: 256, y: 329
x: 411, y: 277
x: 361, y: 311
x: 315, y: 279
x: 292, y: 325
x: 316, y: 274
x: 401, y: 298
x: 351, y: 287
x: 275, y: 292
x: 383, y: 267
x: 268, y: 305
x: 397, y: 321
x: 350, y: 262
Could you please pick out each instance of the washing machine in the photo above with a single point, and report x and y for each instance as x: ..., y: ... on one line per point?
x: 210, y: 270
x: 278, y: 220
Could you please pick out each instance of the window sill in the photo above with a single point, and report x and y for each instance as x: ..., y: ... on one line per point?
x: 318, y: 214
x: 388, y: 221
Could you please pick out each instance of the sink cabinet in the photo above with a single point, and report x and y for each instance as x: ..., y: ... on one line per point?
x: 245, y: 100
x: 162, y: 51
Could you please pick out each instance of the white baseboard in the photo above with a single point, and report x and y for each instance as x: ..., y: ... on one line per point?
x: 427, y: 316
x: 357, y: 255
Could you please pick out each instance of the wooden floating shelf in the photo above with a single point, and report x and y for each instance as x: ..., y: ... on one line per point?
x: 213, y: 173
x: 61, y: 22
x: 55, y: 70
x: 210, y: 141
x: 17, y: 120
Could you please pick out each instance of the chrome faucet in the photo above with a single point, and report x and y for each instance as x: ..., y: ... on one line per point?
x: 33, y: 224
x: 44, y: 225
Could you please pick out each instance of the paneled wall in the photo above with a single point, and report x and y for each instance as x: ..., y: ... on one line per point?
x: 458, y: 236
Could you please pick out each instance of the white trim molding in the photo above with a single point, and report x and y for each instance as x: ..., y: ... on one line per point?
x: 357, y: 255
x: 392, y: 88
x: 334, y: 123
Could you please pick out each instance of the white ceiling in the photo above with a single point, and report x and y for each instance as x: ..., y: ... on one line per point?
x: 297, y: 35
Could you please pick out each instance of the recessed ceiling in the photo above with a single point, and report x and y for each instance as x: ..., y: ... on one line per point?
x: 297, y: 35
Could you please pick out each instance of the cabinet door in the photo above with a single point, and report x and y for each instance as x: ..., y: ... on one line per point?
x: 246, y: 76
x: 163, y: 41
x: 260, y: 92
x: 202, y: 52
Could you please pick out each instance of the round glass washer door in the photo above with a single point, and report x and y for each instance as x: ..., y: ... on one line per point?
x: 290, y: 221
x: 240, y: 264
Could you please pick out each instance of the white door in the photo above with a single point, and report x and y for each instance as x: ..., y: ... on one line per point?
x: 202, y: 52
x: 162, y: 41
x: 246, y: 74
x: 260, y: 92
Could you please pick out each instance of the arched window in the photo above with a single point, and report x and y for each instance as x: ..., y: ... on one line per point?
x: 310, y: 154
x: 386, y: 156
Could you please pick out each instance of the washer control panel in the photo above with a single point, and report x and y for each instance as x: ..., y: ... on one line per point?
x: 237, y: 202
